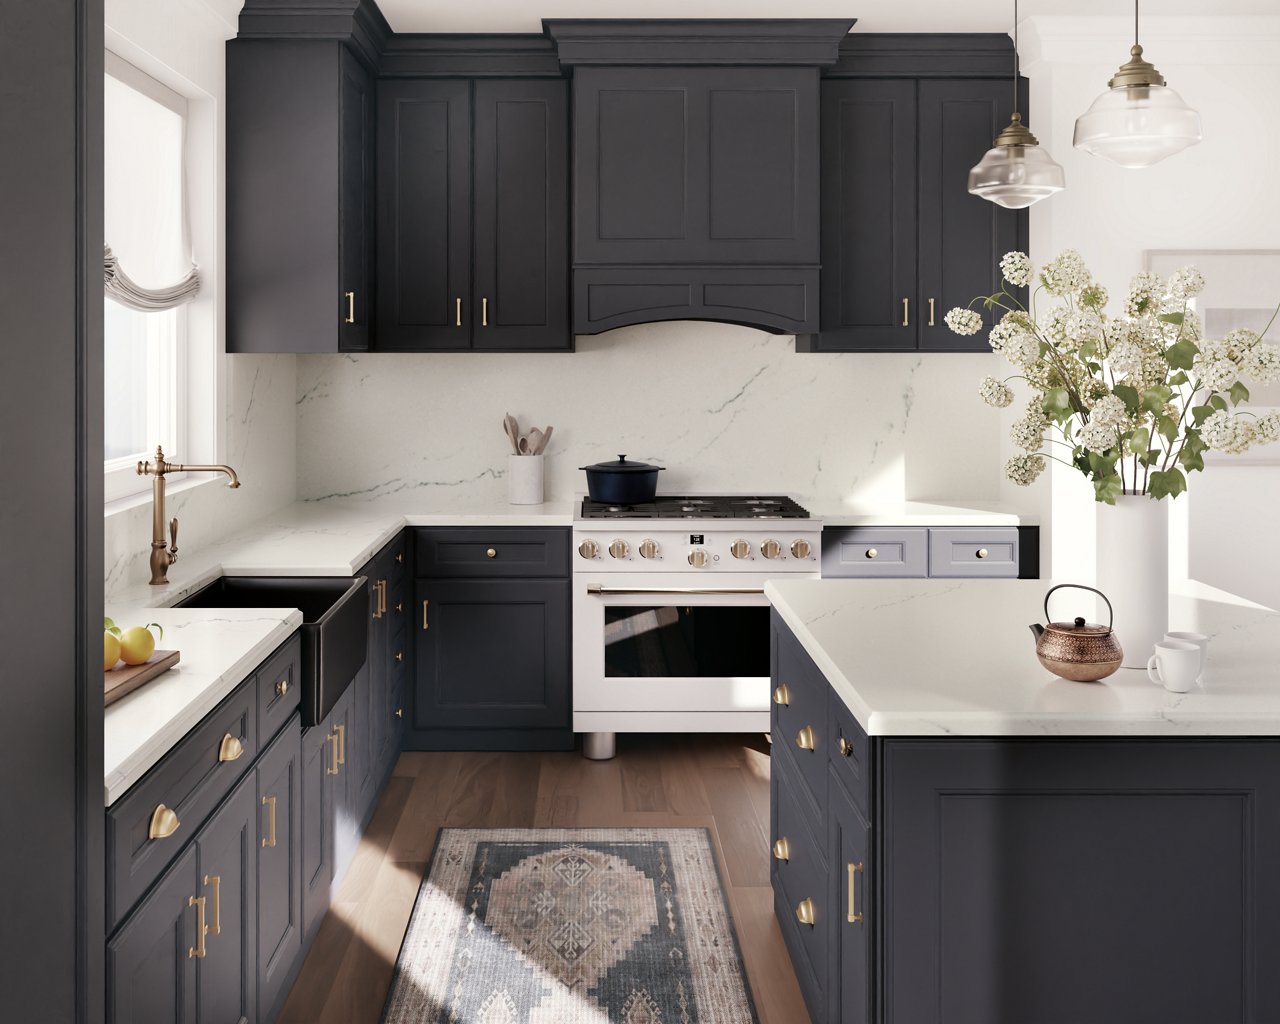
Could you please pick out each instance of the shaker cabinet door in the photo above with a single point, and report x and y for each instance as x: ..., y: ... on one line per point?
x: 355, y: 205
x: 855, y: 916
x: 319, y: 752
x: 279, y: 852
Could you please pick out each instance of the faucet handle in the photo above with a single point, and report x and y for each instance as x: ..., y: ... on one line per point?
x: 173, y: 540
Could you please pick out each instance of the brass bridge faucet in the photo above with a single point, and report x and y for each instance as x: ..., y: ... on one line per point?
x: 161, y: 558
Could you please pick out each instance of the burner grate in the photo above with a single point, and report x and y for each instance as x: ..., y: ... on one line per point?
x: 699, y: 507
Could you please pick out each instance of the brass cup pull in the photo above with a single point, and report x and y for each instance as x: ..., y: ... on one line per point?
x: 457, y: 312
x: 855, y: 915
x: 231, y: 748
x: 805, y: 739
x: 846, y: 748
x: 164, y: 823
x: 198, y: 949
x: 782, y: 849
x: 282, y: 687
x: 491, y: 553
x: 351, y: 307
x: 872, y: 553
x: 782, y: 696
x: 400, y: 557
x: 804, y: 912
x: 333, y: 761
x: 906, y: 312
x: 216, y: 882
x: 399, y: 655
x: 269, y: 802
x: 399, y: 712
x: 931, y: 313
x: 399, y: 606
x: 983, y: 552
x: 484, y: 312
x: 341, y: 730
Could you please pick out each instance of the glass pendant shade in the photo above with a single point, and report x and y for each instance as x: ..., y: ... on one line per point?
x: 1016, y: 172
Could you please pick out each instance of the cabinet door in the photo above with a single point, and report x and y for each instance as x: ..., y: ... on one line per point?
x: 962, y: 237
x: 319, y: 754
x: 347, y: 811
x: 424, y: 215
x: 279, y: 852
x: 869, y: 229
x: 227, y: 857
x: 151, y: 966
x: 522, y: 215
x: 355, y: 205
x: 851, y: 875
x: 492, y: 654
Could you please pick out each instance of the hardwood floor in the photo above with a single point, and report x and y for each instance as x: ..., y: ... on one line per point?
x: 717, y: 782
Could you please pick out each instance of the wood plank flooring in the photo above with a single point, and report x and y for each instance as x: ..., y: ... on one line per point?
x: 716, y: 782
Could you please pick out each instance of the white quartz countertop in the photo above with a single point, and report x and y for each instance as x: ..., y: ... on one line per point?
x: 913, y: 513
x: 939, y: 657
x: 219, y: 647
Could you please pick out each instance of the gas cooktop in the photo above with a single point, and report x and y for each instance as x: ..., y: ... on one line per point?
x: 703, y: 506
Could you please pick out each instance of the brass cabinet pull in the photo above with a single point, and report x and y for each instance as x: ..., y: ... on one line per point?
x: 855, y: 916
x: 804, y: 738
x: 399, y: 655
x: 216, y: 882
x: 201, y: 931
x: 983, y: 552
x: 846, y: 748
x: 269, y: 802
x: 906, y: 312
x: 342, y: 743
x: 782, y: 849
x: 491, y: 553
x: 379, y: 598
x: 282, y: 687
x: 400, y: 606
x: 872, y: 553
x: 400, y: 557
x: 333, y: 761
x: 931, y: 312
x: 164, y: 823
x: 399, y: 712
x: 484, y: 312
x: 231, y: 748
x: 457, y: 312
x: 351, y: 307
x: 424, y: 613
x: 782, y: 696
x: 384, y: 596
x: 804, y: 912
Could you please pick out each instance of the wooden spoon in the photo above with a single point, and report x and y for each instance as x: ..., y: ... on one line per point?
x: 512, y: 428
x: 535, y: 441
x: 545, y: 440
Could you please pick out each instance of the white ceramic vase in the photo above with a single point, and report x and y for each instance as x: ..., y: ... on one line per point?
x: 1133, y: 571
x: 524, y: 479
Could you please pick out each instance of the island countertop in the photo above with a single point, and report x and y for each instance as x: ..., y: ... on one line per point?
x: 939, y: 657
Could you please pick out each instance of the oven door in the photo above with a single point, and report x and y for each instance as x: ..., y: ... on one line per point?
x: 665, y: 643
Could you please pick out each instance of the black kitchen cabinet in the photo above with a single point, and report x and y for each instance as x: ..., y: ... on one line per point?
x: 279, y: 854
x: 473, y: 215
x: 319, y: 765
x: 300, y: 133
x: 853, y: 920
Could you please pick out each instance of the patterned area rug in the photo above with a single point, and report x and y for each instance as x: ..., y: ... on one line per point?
x: 571, y: 926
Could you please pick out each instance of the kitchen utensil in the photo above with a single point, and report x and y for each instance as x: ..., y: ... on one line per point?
x: 535, y: 441
x: 512, y: 428
x: 1199, y: 640
x: 546, y: 440
x: 622, y: 482
x: 1175, y: 665
x: 1078, y: 650
x: 522, y: 446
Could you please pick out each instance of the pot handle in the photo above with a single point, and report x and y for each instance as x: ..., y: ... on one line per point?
x: 1111, y: 614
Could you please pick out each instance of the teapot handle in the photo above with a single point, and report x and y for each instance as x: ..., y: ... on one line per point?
x: 1111, y: 615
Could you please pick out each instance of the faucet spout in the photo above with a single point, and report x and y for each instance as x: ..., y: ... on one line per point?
x: 161, y: 556
x: 188, y: 468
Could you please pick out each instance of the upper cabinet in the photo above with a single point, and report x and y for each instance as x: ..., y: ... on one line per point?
x: 903, y: 241
x: 473, y: 215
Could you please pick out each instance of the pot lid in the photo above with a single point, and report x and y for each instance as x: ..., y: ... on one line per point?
x: 1079, y: 628
x: 621, y: 465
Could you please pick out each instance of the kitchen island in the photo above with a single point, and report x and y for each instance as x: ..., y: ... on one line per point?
x: 960, y: 836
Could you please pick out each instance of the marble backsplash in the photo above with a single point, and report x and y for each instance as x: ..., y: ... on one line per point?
x: 722, y: 407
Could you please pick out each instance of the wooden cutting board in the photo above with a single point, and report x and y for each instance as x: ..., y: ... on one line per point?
x: 118, y: 682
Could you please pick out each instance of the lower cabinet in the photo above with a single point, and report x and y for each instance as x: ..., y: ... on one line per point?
x: 849, y: 840
x: 319, y: 753
x: 279, y: 855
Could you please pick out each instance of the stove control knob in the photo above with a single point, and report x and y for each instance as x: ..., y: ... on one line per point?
x: 739, y: 548
x: 619, y: 548
x: 589, y: 549
x: 698, y: 558
x: 648, y: 548
x: 800, y: 549
x: 771, y: 548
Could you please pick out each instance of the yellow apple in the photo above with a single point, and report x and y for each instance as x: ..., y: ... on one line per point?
x: 110, y: 651
x: 137, y: 644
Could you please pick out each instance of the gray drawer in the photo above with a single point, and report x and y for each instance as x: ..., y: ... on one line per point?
x: 974, y: 552
x: 279, y: 688
x: 516, y: 551
x: 875, y: 552
x: 190, y: 780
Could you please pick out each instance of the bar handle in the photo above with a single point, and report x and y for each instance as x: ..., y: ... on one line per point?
x: 351, y: 307
x: 216, y: 882
x: 855, y: 915
x: 484, y: 312
x: 269, y: 802
x: 198, y: 949
x: 906, y: 312
x: 342, y: 744
x: 457, y: 312
x: 931, y: 312
x: 424, y: 613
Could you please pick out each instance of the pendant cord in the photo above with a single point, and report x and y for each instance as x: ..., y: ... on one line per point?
x: 1135, y: 22
x: 1015, y: 55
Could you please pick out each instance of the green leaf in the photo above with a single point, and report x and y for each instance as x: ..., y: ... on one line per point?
x: 1192, y: 455
x: 1178, y: 379
x: 1217, y: 403
x: 1182, y: 354
x: 1171, y: 318
x: 109, y: 626
x: 1139, y: 439
x: 1102, y: 465
x: 1168, y: 427
x: 1151, y: 458
x: 1057, y: 404
x: 1239, y: 393
x: 1167, y: 484
x: 1154, y: 399
x: 1129, y: 396
x: 1107, y: 488
x: 157, y: 627
x: 1201, y: 413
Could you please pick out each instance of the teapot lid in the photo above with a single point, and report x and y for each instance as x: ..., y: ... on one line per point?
x: 1079, y: 627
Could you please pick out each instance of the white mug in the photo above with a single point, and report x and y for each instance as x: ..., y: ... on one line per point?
x: 1175, y: 665
x: 1201, y: 640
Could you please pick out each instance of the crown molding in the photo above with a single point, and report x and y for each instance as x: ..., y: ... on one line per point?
x: 811, y: 42
x: 924, y: 55
x: 358, y: 23
x: 489, y: 55
x: 1169, y: 40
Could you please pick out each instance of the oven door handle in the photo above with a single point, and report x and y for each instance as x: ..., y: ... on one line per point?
x: 596, y: 588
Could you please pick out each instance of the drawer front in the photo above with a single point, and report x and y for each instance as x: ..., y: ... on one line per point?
x: 191, y: 781
x: 495, y: 552
x: 850, y: 753
x: 279, y: 688
x: 800, y: 882
x: 800, y: 714
x: 974, y: 552
x: 875, y: 552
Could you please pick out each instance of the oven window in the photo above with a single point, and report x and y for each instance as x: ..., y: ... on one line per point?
x: 698, y: 641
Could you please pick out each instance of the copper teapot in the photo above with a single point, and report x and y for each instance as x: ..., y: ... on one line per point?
x: 1079, y: 650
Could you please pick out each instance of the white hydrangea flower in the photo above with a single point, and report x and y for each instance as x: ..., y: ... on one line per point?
x: 1109, y: 411
x: 1016, y: 268
x: 1239, y: 341
x: 996, y: 393
x: 1098, y: 436
x: 1192, y: 329
x: 1217, y: 374
x: 1224, y: 432
x: 1262, y: 363
x: 1094, y: 296
x: 1023, y: 469
x: 1022, y: 349
x: 964, y: 321
x: 1028, y: 430
x: 1065, y: 274
x: 1144, y: 295
x: 1186, y: 282
x: 1266, y: 428
x: 1010, y: 325
x: 1125, y: 359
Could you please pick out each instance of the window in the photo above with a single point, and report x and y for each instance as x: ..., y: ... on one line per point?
x: 145, y: 226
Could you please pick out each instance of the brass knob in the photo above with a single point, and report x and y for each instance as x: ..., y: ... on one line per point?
x: 164, y: 823
x: 491, y: 553
x: 872, y: 553
x: 399, y: 712
x: 782, y: 695
x: 804, y: 912
x: 399, y: 655
x: 282, y: 687
x: 400, y: 557
x: 771, y: 549
x: 800, y: 549
x: 618, y: 548
x: 983, y: 552
x: 805, y: 739
x: 846, y: 748
x: 400, y: 606
x: 782, y: 849
x: 739, y: 548
x: 231, y: 749
x: 697, y: 558
x: 648, y: 548
x: 588, y: 549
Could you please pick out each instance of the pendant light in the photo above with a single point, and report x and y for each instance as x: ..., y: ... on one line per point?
x: 1016, y: 172
x: 1139, y: 120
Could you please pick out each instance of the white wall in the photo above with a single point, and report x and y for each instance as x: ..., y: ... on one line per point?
x: 249, y: 399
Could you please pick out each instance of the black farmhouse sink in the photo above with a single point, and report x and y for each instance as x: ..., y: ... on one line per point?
x: 335, y: 626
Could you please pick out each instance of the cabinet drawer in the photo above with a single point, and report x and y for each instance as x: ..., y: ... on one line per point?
x: 875, y: 552
x: 516, y: 551
x: 800, y: 883
x: 800, y: 714
x: 850, y: 753
x: 279, y: 688
x: 974, y: 551
x: 190, y: 780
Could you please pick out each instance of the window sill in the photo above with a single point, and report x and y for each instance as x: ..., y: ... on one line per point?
x: 121, y: 506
